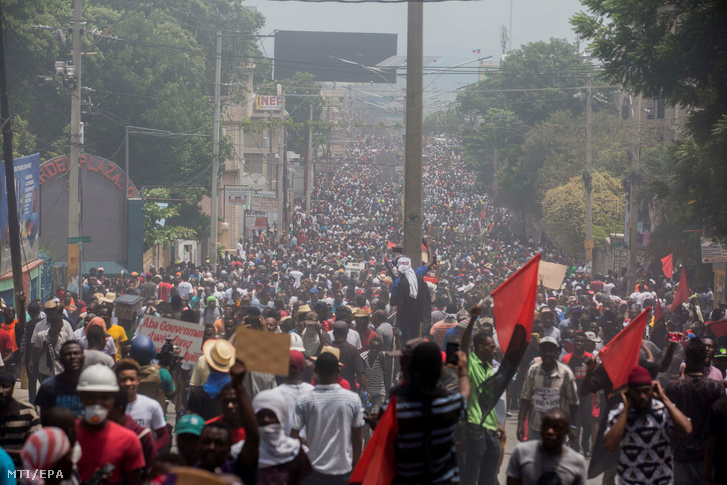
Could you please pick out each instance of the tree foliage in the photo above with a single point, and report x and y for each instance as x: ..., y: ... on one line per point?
x: 678, y: 51
x: 153, y: 68
x: 166, y: 220
x: 564, y: 211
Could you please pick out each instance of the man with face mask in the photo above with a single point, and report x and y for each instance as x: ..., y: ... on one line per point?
x: 102, y: 440
x: 641, y: 425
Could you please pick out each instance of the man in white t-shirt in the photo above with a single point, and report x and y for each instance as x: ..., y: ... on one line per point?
x: 145, y: 410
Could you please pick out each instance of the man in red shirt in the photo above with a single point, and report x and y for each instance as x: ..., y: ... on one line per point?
x: 102, y: 441
x: 164, y: 289
x: 576, y: 360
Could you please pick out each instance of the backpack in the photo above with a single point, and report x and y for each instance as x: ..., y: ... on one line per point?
x: 151, y: 383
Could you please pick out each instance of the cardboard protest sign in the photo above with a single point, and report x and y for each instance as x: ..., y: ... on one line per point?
x: 551, y: 274
x: 263, y: 351
x: 187, y: 336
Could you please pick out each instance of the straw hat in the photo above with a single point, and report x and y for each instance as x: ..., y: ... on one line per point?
x: 305, y: 308
x: 219, y: 354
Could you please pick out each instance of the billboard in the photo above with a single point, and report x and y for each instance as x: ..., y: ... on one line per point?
x: 324, y: 54
x: 27, y: 198
x: 268, y: 103
x: 713, y: 251
x: 263, y: 204
x: 236, y: 195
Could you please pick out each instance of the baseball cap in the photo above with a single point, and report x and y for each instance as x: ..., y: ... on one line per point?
x: 721, y: 353
x: 190, y: 424
x: 593, y: 337
x: 549, y: 340
x: 297, y: 360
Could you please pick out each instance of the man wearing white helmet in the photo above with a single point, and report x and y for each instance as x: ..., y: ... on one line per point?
x: 102, y: 441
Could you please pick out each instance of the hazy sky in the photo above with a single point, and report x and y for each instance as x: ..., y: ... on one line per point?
x: 451, y: 29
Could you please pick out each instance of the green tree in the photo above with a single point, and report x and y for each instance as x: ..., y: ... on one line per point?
x: 677, y: 51
x: 533, y: 82
x: 161, y: 219
x: 564, y: 211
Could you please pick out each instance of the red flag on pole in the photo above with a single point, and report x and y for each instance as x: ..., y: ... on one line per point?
x: 515, y: 302
x: 621, y: 354
x: 667, y: 264
x: 378, y: 461
x: 682, y: 293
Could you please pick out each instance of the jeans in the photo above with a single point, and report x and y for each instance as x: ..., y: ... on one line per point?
x: 688, y: 473
x: 317, y: 478
x: 482, y: 456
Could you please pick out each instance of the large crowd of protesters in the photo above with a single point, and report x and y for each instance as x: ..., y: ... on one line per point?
x: 369, y: 334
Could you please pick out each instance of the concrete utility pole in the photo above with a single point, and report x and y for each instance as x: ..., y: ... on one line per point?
x: 633, y: 192
x: 13, y: 224
x: 74, y: 162
x: 308, y: 177
x: 588, y: 181
x: 282, y: 175
x: 413, y: 161
x: 214, y: 195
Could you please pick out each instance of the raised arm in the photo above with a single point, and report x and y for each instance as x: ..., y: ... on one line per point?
x: 475, y: 312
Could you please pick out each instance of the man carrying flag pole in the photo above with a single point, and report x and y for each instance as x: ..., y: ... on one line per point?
x: 513, y: 309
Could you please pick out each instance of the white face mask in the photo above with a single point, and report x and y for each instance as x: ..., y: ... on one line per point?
x: 95, y: 414
x: 272, y: 433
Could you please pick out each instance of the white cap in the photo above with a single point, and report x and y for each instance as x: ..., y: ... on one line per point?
x: 296, y: 342
x: 97, y: 378
x: 549, y: 340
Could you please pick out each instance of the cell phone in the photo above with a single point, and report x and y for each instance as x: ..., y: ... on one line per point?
x: 452, y: 349
x: 108, y: 469
x: 675, y: 337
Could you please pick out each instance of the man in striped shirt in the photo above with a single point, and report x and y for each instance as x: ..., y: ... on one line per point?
x: 439, y: 329
x: 17, y: 420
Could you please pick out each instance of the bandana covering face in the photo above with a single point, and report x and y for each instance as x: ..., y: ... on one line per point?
x: 275, y: 447
x: 404, y: 268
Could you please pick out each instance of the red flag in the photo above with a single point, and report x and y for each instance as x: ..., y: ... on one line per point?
x: 621, y: 354
x: 682, y: 294
x: 429, y: 279
x: 719, y: 328
x: 515, y: 302
x: 378, y: 461
x: 667, y: 264
x: 391, y: 245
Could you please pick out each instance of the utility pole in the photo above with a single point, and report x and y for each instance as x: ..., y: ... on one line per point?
x: 74, y: 162
x: 284, y: 161
x: 307, y: 182
x: 633, y: 191
x: 212, y: 250
x: 588, y: 182
x: 13, y: 224
x: 413, y: 155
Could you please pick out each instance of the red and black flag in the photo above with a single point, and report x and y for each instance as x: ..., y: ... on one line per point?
x: 514, y: 311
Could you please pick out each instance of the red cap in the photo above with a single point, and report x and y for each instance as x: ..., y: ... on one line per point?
x: 297, y: 360
x: 639, y: 377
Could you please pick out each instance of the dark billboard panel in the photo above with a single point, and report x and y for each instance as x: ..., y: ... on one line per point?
x: 325, y: 55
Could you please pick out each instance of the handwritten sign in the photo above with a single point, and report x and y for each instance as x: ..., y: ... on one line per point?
x: 551, y: 274
x: 546, y: 398
x: 187, y: 336
x: 263, y: 351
